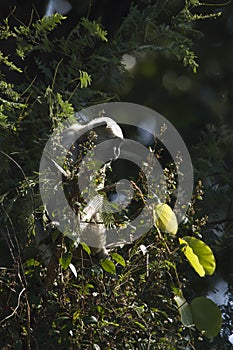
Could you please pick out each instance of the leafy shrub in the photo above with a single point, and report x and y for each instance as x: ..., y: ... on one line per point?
x: 128, y: 304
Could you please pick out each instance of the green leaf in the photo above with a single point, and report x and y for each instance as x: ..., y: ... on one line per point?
x: 86, y: 248
x: 165, y: 219
x: 65, y: 260
x: 85, y: 79
x: 118, y: 258
x: 140, y: 325
x: 184, y: 310
x: 76, y: 315
x: 203, y: 253
x: 95, y: 29
x: 66, y: 107
x: 46, y: 24
x: 206, y: 316
x: 11, y: 65
x: 192, y: 258
x: 108, y: 266
x: 201, y: 312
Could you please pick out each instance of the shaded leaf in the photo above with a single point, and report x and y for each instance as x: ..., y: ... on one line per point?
x: 184, y: 310
x: 65, y: 260
x: 207, y: 316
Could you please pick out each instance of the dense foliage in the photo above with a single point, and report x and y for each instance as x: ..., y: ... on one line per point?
x: 126, y: 302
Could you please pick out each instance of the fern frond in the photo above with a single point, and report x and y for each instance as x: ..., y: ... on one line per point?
x: 85, y: 79
x: 95, y: 29
x: 46, y: 24
x: 9, y: 64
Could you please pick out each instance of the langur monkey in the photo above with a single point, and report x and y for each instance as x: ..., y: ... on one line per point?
x: 105, y: 129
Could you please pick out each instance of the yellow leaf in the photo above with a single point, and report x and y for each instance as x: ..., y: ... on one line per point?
x: 192, y: 258
x: 203, y: 252
x: 165, y: 219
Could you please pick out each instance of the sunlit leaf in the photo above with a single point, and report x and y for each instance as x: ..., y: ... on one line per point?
x: 192, y: 258
x: 86, y: 248
x: 165, y: 219
x: 206, y: 316
x: 85, y: 79
x: 95, y: 29
x: 140, y: 325
x: 204, y: 253
x: 108, y: 266
x: 118, y: 258
x: 76, y: 315
x: 199, y: 255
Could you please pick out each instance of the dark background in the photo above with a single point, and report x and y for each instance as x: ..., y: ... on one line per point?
x: 188, y: 100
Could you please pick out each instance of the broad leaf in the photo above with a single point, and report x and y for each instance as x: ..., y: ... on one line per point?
x: 199, y: 255
x: 108, y: 266
x: 185, y: 311
x: 204, y: 253
x: 86, y: 248
x: 206, y: 316
x: 118, y: 258
x: 192, y: 258
x: 65, y: 260
x: 165, y: 219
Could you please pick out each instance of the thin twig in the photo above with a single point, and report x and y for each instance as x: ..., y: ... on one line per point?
x: 24, y: 175
x: 15, y: 310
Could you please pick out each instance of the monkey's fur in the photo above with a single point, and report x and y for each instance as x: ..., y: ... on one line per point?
x: 104, y: 129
